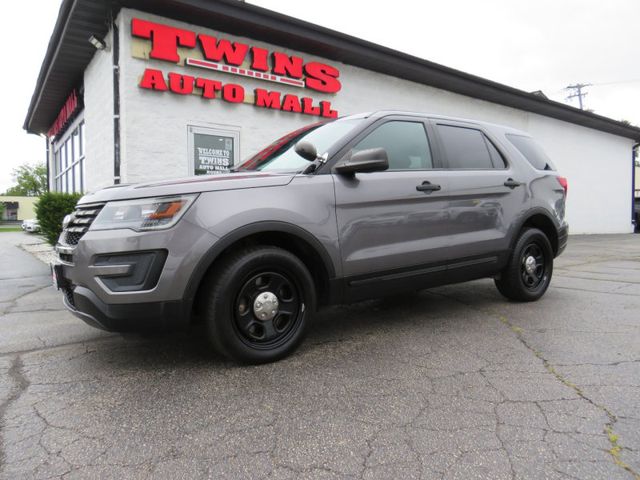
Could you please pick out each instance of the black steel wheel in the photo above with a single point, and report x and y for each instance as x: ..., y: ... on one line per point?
x: 532, y: 266
x: 528, y: 273
x: 259, y: 304
x: 267, y: 309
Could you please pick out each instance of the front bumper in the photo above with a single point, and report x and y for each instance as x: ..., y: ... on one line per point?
x: 134, y: 317
x: 126, y: 281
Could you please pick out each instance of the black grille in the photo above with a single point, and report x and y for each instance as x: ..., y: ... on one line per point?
x: 81, y: 220
x: 72, y: 238
x: 68, y: 295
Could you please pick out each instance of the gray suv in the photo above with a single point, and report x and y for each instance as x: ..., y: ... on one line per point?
x: 337, y: 212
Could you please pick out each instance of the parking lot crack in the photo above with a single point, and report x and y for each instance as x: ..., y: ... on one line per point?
x: 615, y: 446
x: 61, y: 346
x: 367, y: 456
x: 609, y: 428
x: 20, y: 384
x: 503, y: 443
x: 596, y: 291
x: 13, y: 302
x: 581, y: 277
x: 606, y: 364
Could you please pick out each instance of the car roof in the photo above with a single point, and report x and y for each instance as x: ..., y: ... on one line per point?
x: 491, y: 126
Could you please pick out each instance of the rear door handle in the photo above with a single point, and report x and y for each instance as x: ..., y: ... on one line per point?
x: 428, y: 187
x: 511, y: 183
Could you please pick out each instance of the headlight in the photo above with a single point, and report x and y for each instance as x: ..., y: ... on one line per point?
x: 143, y: 214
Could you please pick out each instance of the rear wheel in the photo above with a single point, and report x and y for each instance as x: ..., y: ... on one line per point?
x: 259, y: 304
x: 528, y: 273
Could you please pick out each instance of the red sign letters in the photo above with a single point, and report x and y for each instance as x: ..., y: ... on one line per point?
x: 67, y: 111
x: 225, y: 56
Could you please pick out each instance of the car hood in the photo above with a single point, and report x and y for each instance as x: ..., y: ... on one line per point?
x: 178, y: 186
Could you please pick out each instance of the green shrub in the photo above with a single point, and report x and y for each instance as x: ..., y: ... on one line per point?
x: 51, y: 210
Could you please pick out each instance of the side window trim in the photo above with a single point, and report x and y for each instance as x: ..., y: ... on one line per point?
x: 504, y: 164
x: 437, y: 153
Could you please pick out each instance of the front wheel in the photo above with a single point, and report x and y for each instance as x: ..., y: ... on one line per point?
x: 259, y: 304
x: 528, y: 273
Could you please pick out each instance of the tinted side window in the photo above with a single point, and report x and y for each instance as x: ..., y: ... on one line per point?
x: 531, y: 151
x: 465, y: 147
x: 406, y: 144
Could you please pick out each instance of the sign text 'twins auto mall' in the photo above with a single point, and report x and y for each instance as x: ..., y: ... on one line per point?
x: 222, y: 55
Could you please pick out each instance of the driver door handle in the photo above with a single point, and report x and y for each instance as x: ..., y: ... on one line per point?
x: 511, y: 183
x: 428, y: 187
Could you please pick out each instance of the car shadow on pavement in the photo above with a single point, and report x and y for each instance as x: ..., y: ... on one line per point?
x: 423, y: 310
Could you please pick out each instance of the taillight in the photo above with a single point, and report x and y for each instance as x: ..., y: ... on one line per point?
x: 564, y: 184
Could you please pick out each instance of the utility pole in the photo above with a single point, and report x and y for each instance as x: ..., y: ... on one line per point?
x: 577, y: 89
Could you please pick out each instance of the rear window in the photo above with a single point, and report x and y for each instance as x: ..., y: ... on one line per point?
x: 465, y: 148
x: 533, y: 152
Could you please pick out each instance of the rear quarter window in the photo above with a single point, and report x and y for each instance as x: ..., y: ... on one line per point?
x: 533, y: 152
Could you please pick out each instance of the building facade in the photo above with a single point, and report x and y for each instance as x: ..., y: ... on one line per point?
x: 17, y: 208
x: 196, y: 87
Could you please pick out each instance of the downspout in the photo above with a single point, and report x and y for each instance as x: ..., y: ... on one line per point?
x: 634, y: 153
x: 48, y: 149
x: 116, y: 100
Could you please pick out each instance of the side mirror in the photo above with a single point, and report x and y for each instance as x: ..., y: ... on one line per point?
x: 364, y: 161
x: 306, y: 150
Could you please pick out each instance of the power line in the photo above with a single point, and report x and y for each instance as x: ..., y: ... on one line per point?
x: 634, y: 80
x: 601, y: 84
x: 577, y: 89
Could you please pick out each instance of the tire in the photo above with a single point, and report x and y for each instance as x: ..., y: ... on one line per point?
x: 522, y: 284
x: 233, y: 309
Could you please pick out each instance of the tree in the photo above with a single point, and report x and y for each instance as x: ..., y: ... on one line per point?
x: 31, y: 180
x: 51, y: 210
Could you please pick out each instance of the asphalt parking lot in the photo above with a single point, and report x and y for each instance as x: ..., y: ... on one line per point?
x: 448, y: 383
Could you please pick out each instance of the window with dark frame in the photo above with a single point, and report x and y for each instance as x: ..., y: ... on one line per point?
x: 405, y: 142
x: 468, y: 149
x: 530, y: 150
x: 496, y: 156
x: 68, y: 161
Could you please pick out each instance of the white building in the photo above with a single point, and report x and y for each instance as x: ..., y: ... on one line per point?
x: 167, y: 89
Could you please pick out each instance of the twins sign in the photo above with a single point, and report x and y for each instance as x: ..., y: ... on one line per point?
x: 238, y: 59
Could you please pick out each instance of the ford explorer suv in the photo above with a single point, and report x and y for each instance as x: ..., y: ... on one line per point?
x: 352, y: 209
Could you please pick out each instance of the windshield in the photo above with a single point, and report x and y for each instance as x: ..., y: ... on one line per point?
x: 281, y: 155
